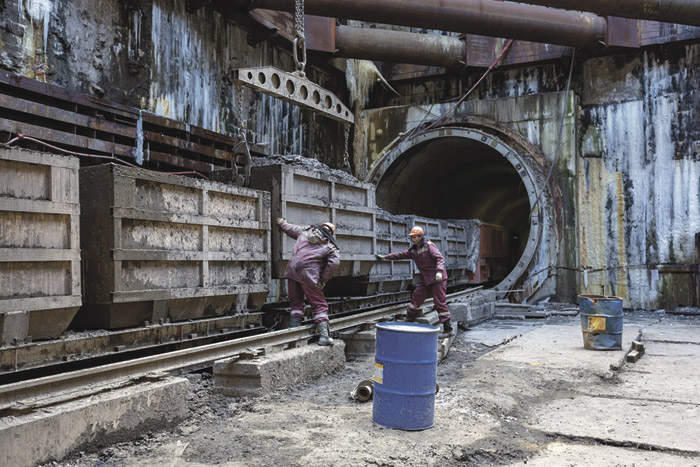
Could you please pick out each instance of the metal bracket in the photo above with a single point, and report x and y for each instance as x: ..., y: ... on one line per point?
x: 295, y: 90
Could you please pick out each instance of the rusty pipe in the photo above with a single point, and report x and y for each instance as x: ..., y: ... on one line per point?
x: 481, y: 17
x: 364, y: 390
x: 670, y: 11
x: 400, y: 47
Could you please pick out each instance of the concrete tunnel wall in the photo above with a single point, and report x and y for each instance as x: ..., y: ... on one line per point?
x: 626, y: 167
x: 156, y: 56
x: 467, y: 173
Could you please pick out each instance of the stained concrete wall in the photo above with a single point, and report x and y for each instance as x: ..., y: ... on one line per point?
x: 627, y: 167
x: 639, y: 176
x: 155, y: 56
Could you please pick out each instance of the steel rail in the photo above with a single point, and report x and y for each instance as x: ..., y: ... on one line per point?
x: 68, y: 385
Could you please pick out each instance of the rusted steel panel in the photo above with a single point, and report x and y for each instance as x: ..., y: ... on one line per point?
x: 319, y: 31
x: 39, y: 244
x: 170, y: 247
x: 623, y: 32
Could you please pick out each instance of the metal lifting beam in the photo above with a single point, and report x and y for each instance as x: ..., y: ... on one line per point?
x: 669, y: 11
x: 481, y: 17
x: 400, y: 47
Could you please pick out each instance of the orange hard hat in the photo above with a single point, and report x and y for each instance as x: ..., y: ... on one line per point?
x: 416, y: 231
x: 330, y: 226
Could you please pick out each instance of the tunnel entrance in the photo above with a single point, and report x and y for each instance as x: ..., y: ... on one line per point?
x: 461, y: 173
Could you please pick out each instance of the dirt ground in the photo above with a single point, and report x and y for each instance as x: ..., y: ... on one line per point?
x: 482, y: 415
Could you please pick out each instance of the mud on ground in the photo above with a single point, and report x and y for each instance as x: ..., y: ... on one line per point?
x: 480, y: 416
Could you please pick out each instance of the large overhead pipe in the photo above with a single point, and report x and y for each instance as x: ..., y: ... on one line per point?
x: 400, y: 47
x: 669, y: 11
x: 481, y: 17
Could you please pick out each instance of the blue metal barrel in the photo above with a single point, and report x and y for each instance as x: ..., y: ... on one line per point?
x: 601, y: 322
x: 405, y: 376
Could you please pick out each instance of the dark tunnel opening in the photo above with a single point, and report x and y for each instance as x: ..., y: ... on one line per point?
x: 460, y: 178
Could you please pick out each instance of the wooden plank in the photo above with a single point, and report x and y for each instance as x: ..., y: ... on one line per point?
x: 50, y: 90
x: 186, y: 145
x: 65, y: 116
x: 69, y: 139
x: 183, y: 162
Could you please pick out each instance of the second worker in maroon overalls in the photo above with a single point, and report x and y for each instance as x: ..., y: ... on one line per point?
x: 433, y: 278
x: 312, y: 264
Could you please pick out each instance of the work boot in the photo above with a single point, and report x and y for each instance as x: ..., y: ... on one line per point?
x: 447, y: 330
x: 295, y: 321
x: 324, y: 331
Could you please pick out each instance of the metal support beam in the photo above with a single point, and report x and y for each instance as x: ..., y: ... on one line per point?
x: 668, y: 11
x: 400, y: 47
x: 294, y: 89
x: 482, y: 17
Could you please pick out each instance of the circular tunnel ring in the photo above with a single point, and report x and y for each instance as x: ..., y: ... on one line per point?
x: 513, y: 157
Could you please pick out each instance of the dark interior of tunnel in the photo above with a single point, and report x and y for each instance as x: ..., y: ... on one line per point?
x: 458, y: 178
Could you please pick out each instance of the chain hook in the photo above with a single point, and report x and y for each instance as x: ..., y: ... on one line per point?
x: 300, y: 45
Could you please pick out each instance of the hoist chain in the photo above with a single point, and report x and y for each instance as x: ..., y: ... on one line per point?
x: 241, y: 111
x: 299, y: 40
x: 346, y: 154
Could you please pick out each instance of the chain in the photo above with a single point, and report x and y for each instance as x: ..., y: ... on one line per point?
x: 241, y: 121
x: 299, y: 19
x: 346, y: 154
x: 299, y: 40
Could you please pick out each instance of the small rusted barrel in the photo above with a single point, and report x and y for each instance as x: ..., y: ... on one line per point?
x: 601, y: 322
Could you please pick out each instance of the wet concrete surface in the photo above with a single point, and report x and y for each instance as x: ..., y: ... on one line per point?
x: 512, y: 392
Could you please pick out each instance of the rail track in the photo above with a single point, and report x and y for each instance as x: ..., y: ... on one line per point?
x: 23, y: 396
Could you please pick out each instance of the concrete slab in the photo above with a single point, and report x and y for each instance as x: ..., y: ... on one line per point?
x: 668, y: 372
x: 360, y: 343
x: 564, y: 454
x: 97, y: 421
x: 673, y: 332
x: 658, y: 425
x: 560, y: 346
x: 471, y: 312
x: 279, y: 370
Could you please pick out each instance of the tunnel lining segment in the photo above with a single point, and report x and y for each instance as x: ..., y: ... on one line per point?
x: 524, y: 169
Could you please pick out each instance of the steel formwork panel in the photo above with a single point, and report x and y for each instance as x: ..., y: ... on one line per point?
x: 197, y: 248
x: 306, y: 197
x: 39, y: 244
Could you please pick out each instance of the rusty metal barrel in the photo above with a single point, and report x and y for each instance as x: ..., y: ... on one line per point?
x: 601, y: 322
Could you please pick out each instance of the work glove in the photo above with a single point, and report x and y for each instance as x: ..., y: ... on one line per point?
x: 280, y: 220
x: 379, y: 257
x: 438, y: 277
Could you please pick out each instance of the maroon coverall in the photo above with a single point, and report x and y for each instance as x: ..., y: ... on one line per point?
x: 313, y: 261
x: 429, y: 262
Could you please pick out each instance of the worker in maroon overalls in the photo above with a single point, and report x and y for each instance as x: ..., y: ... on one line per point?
x: 433, y: 278
x: 313, y: 262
